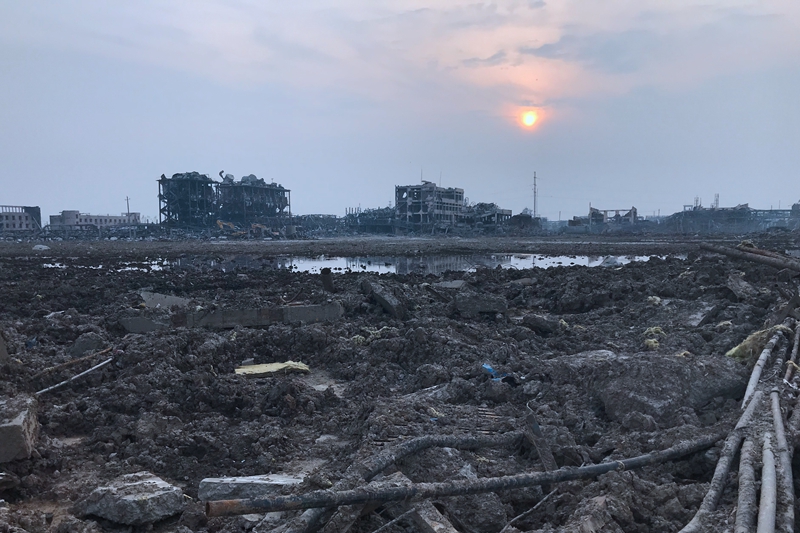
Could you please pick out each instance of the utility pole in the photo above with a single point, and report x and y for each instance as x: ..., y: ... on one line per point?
x: 128, y: 203
x: 535, y: 197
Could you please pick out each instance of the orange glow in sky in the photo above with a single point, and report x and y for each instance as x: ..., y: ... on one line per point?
x: 528, y: 118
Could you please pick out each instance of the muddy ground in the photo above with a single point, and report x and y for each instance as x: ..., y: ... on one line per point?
x: 614, y: 362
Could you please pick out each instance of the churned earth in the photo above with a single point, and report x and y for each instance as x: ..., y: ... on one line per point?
x: 613, y: 361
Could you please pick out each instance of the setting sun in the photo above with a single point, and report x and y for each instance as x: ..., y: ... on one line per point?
x: 529, y: 118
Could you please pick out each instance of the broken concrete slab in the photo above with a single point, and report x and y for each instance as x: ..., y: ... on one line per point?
x: 429, y: 520
x: 134, y: 499
x: 156, y: 300
x: 541, y: 324
x: 312, y: 313
x: 230, y: 318
x: 384, y: 297
x: 456, y: 284
x: 270, y: 369
x: 740, y: 287
x: 473, y: 303
x: 139, y: 324
x: 88, y: 342
x: 18, y: 427
x: 235, y: 488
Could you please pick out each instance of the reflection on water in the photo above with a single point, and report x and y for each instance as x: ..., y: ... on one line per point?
x: 432, y: 264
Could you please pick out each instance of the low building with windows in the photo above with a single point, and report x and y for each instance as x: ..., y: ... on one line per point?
x: 78, y: 220
x: 14, y: 218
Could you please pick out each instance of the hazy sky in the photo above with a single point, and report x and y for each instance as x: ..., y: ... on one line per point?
x: 639, y: 102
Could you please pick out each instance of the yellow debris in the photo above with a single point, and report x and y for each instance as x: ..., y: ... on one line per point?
x: 685, y: 353
x: 654, y: 300
x: 654, y: 332
x: 651, y: 344
x: 255, y: 371
x: 722, y: 326
x: 751, y: 347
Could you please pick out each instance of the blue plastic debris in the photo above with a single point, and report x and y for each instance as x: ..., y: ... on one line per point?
x: 496, y: 376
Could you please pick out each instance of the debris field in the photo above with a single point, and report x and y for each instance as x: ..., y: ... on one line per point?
x: 137, y: 397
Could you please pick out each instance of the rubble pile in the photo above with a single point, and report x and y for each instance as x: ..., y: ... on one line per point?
x: 515, y: 371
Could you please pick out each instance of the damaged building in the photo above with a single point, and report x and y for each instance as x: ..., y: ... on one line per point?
x: 604, y: 220
x: 186, y: 200
x: 76, y: 220
x: 427, y: 206
x: 192, y: 199
x: 739, y: 219
x: 251, y: 200
x: 16, y: 218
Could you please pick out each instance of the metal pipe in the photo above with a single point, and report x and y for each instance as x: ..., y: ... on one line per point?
x: 420, y: 491
x: 57, y: 385
x: 724, y: 463
x: 785, y: 479
x: 746, y: 504
x: 768, y: 504
x: 766, y: 353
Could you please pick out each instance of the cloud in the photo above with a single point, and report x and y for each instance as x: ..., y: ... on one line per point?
x: 430, y: 54
x: 495, y: 59
x: 623, y: 52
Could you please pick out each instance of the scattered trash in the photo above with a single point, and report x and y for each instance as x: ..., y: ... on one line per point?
x: 270, y: 369
x: 654, y: 300
x: 496, y: 376
x: 654, y: 331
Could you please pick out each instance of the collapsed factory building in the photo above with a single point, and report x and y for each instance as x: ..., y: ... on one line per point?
x: 739, y: 219
x: 426, y: 208
x: 193, y: 200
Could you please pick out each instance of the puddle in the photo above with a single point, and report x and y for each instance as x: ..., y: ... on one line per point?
x: 431, y: 264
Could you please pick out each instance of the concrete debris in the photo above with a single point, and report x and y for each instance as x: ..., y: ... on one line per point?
x: 88, y: 342
x: 235, y: 488
x: 473, y: 303
x: 134, y: 499
x: 40, y: 248
x: 454, y: 284
x: 384, y: 297
x: 230, y: 318
x: 542, y: 325
x: 646, y: 382
x: 525, y: 282
x: 18, y: 427
x: 3, y: 350
x: 8, y: 481
x: 327, y: 280
x: 740, y: 287
x: 430, y: 520
x: 156, y: 300
x: 258, y: 371
x: 139, y: 324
